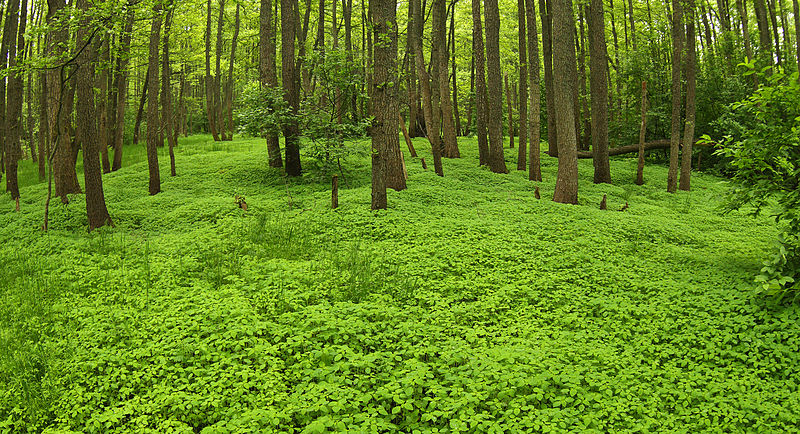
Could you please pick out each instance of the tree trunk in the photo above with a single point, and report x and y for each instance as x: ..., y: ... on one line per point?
x: 497, y: 162
x: 139, y: 113
x: 481, y: 97
x: 633, y: 24
x: 412, y: 151
x: 431, y: 119
x: 153, y: 118
x: 547, y: 53
x: 763, y: 32
x: 677, y: 52
x: 450, y: 146
x: 291, y: 86
x: 223, y: 133
x: 15, y: 26
x: 509, y: 112
x: 748, y: 49
x: 228, y: 112
x: 796, y: 6
x: 102, y: 102
x: 413, y: 95
x: 459, y: 131
x: 564, y: 61
x: 268, y: 73
x: 688, y: 132
x: 773, y: 19
x: 617, y: 69
x: 534, y: 115
x: 599, y: 84
x: 387, y: 169
x: 522, y: 155
x: 166, y: 92
x: 642, y: 132
x: 86, y: 121
x: 471, y: 100
x: 44, y: 142
x: 209, y: 82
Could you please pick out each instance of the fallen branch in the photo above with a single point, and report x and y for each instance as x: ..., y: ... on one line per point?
x: 657, y: 144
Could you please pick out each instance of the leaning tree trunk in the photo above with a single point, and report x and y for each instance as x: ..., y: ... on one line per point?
x: 267, y: 73
x: 497, y: 162
x: 481, y: 97
x: 153, y: 119
x: 677, y: 52
x: 688, y: 132
x: 85, y: 116
x: 566, y: 190
x: 599, y: 85
x: 534, y: 115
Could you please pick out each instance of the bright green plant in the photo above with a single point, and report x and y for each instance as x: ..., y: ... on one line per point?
x: 263, y: 110
x: 766, y: 160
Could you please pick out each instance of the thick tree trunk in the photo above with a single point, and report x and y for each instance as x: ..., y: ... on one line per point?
x: 450, y: 146
x: 153, y: 119
x: 166, y: 93
x: 387, y: 169
x: 267, y: 73
x: 431, y: 119
x: 599, y: 84
x: 86, y: 121
x: 291, y: 86
x: 481, y: 97
x: 677, y: 53
x: 566, y: 190
x: 534, y: 115
x: 688, y: 132
x: 764, y: 37
x: 497, y: 162
x: 522, y: 155
x: 547, y: 53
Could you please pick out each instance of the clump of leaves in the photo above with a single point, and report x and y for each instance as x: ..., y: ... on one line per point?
x: 766, y: 158
x: 262, y: 110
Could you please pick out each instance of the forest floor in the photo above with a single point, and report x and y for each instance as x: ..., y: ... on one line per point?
x: 468, y: 305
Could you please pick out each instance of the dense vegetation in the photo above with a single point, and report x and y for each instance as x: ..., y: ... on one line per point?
x: 467, y: 306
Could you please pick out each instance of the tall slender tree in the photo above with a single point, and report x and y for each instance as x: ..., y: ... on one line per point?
x: 566, y: 190
x: 677, y: 53
x: 267, y: 73
x: 15, y: 26
x: 534, y: 114
x: 167, y: 117
x: 497, y: 162
x: 599, y: 85
x: 291, y: 86
x: 153, y: 118
x: 549, y: 89
x: 691, y: 74
x: 523, y: 87
x: 481, y: 97
x: 449, y: 144
x: 209, y: 79
x: 432, y: 123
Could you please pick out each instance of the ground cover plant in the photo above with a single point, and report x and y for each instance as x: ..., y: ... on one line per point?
x: 467, y: 306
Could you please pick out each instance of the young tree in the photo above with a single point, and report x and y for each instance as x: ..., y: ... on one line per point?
x: 691, y: 73
x: 432, y: 124
x: 599, y: 85
x: 291, y: 86
x: 15, y: 26
x: 523, y: 87
x: 481, y: 98
x: 497, y: 162
x: 153, y: 118
x: 547, y: 53
x: 677, y: 52
x: 267, y: 72
x: 450, y: 146
x: 564, y: 60
x: 209, y: 79
x: 168, y: 123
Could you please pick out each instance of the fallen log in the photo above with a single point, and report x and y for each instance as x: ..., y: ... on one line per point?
x: 620, y: 150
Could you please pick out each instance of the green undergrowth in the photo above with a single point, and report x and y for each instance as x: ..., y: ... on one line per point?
x: 467, y: 306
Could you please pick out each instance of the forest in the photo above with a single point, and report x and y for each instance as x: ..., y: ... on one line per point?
x: 399, y: 216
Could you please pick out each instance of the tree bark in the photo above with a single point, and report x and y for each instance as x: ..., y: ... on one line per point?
x: 509, y: 112
x: 102, y: 102
x: 777, y: 39
x: 431, y: 120
x: 153, y: 119
x: 223, y: 133
x: 481, y: 97
x: 387, y: 169
x: 86, y: 120
x: 44, y: 143
x: 459, y: 131
x: 122, y: 88
x: 748, y: 49
x: 291, y: 86
x: 677, y: 52
x: 139, y: 113
x: 228, y: 99
x: 599, y: 85
x: 796, y: 6
x: 522, y: 155
x: 534, y: 115
x: 633, y: 24
x: 628, y: 149
x: 268, y: 73
x: 167, y: 115
x: 450, y: 146
x: 764, y: 37
x: 566, y: 190
x: 547, y: 53
x: 209, y: 81
x: 497, y: 162
x: 15, y: 26
x: 413, y: 95
x: 691, y: 74
x: 642, y: 132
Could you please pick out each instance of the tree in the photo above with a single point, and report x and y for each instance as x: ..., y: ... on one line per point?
x: 566, y: 190
x: 167, y: 116
x: 449, y: 144
x: 481, y: 97
x: 86, y: 116
x: 599, y: 89
x: 677, y: 53
x: 209, y: 80
x: 153, y: 118
x: 497, y: 162
x: 291, y: 86
x: 688, y: 132
x: 267, y: 73
x: 432, y: 124
x: 547, y: 53
x: 523, y: 87
x: 15, y: 26
x: 534, y: 115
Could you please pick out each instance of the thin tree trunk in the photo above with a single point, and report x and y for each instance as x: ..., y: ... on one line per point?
x: 599, y: 84
x: 387, y: 168
x: 748, y: 49
x: 413, y: 95
x: 522, y: 155
x: 618, y: 71
x: 431, y: 120
x: 450, y: 145
x: 44, y: 144
x: 481, y: 103
x: 15, y: 26
x: 100, y: 109
x: 153, y: 118
x: 763, y: 32
x: 584, y: 139
x: 642, y: 132
x: 412, y: 151
x: 139, y: 113
x: 122, y: 89
x: 209, y: 81
x: 268, y: 73
x: 228, y: 112
x: 774, y: 20
x: 218, y: 118
x: 566, y: 190
x: 459, y: 131
x: 471, y: 99
x: 509, y: 112
x: 166, y: 92
x: 534, y: 114
x: 688, y: 132
x: 675, y: 137
x: 633, y: 24
x: 291, y: 86
x: 796, y: 6
x: 497, y: 162
x: 547, y: 53
x: 85, y: 116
